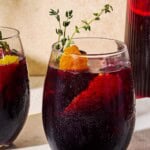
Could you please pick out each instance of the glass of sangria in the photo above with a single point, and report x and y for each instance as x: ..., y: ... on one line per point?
x: 14, y: 86
x: 88, y: 100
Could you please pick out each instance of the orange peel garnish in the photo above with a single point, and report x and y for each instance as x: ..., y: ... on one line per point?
x: 72, y: 59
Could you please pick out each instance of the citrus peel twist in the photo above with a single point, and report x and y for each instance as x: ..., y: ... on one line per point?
x: 72, y: 59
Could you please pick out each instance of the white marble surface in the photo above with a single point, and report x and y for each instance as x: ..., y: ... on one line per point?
x: 32, y: 136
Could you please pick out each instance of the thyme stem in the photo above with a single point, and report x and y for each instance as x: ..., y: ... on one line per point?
x: 86, y: 25
x: 1, y: 35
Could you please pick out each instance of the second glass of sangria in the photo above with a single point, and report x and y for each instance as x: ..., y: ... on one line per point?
x: 88, y: 100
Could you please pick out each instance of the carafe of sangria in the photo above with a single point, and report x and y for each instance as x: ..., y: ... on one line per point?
x: 14, y: 86
x: 137, y: 38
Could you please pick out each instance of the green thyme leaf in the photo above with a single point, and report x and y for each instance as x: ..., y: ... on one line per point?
x: 53, y: 12
x: 67, y: 14
x: 66, y: 23
x: 58, y: 18
x: 14, y: 51
x: 58, y: 59
x: 70, y: 12
x: 4, y: 45
x: 77, y: 29
x: 85, y: 28
x: 63, y: 41
x: 1, y: 35
x: 108, y: 8
x: 57, y: 46
x: 59, y: 31
x: 97, y: 18
x: 89, y: 28
x: 95, y: 14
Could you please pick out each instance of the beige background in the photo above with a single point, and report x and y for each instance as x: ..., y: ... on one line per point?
x: 37, y: 28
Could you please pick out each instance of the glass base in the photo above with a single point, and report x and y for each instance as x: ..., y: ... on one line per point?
x: 7, y: 146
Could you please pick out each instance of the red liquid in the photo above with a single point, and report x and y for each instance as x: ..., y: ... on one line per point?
x: 140, y: 7
x: 14, y: 100
x: 85, y: 111
x: 138, y: 41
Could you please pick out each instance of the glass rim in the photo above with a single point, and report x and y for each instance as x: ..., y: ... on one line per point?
x: 15, y: 34
x: 97, y: 55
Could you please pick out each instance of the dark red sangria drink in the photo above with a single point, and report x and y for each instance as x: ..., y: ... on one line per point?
x: 14, y: 87
x: 88, y: 100
x: 137, y: 39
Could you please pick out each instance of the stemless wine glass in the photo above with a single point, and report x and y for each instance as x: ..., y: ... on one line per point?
x: 94, y: 107
x: 14, y: 86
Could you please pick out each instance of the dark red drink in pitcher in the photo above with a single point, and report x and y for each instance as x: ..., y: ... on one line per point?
x: 137, y: 38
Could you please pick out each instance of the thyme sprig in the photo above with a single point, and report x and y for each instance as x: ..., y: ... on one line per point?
x: 66, y: 41
x: 61, y: 32
x: 3, y: 44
